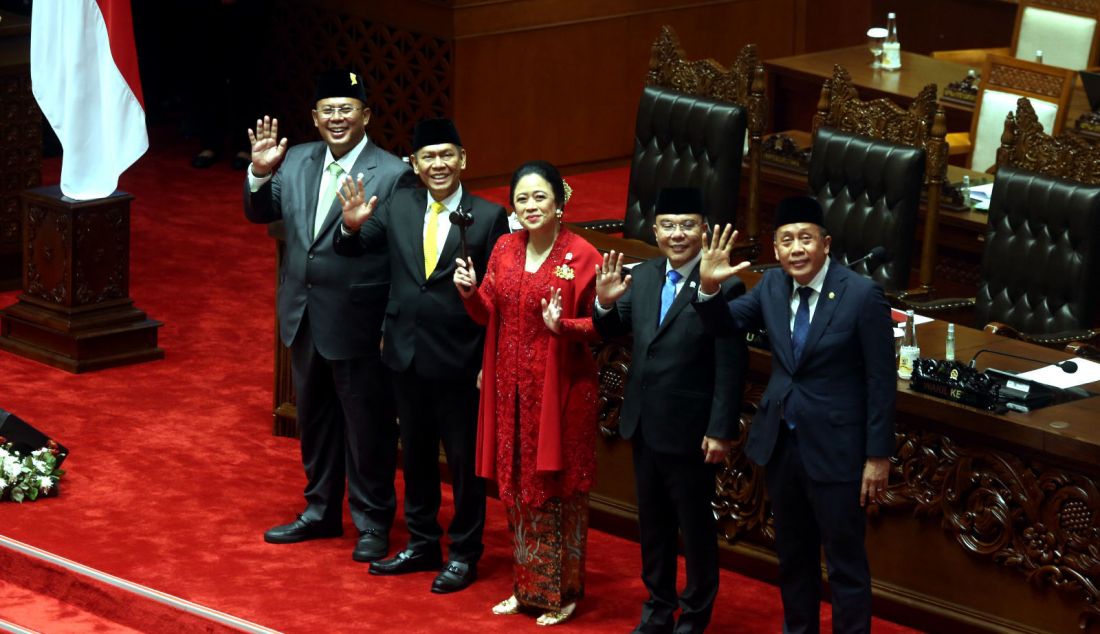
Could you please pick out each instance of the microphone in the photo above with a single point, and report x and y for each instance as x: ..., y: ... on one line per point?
x: 1068, y: 366
x: 877, y: 254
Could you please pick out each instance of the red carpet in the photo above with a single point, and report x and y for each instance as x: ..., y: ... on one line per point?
x: 174, y: 473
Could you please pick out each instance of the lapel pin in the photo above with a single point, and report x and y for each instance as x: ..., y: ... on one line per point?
x: 691, y: 284
x: 832, y: 295
x: 568, y: 256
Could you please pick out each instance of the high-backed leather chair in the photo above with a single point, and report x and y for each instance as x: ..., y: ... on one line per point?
x: 681, y: 140
x: 695, y: 121
x: 1041, y: 266
x: 870, y: 162
x: 870, y: 191
x: 1066, y: 32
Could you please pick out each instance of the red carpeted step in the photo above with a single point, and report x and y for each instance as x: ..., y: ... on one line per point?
x: 36, y: 612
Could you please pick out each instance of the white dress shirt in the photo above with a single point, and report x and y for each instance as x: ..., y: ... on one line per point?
x: 450, y: 203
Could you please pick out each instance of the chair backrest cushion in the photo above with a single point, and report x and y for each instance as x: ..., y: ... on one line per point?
x: 870, y: 191
x: 996, y: 104
x: 1039, y: 269
x: 1064, y: 38
x: 682, y: 140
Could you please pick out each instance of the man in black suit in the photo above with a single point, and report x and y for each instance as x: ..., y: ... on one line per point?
x: 431, y: 344
x: 824, y: 430
x: 682, y: 400
x: 330, y: 315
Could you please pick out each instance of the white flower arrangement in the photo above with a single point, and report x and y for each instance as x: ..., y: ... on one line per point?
x: 28, y: 477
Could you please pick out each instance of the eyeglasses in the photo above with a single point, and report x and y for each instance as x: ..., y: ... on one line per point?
x: 686, y: 226
x: 329, y: 112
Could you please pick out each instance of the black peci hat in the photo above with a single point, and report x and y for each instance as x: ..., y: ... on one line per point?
x: 680, y: 200
x: 435, y: 132
x: 798, y: 209
x: 340, y: 83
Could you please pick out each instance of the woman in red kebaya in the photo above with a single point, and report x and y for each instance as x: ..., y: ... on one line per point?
x: 537, y: 422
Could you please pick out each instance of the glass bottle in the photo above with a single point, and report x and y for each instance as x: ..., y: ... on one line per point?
x: 910, y: 351
x: 891, y: 48
x: 964, y: 190
x: 1039, y: 56
x: 949, y: 344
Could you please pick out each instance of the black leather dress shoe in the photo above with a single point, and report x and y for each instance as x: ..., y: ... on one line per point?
x: 373, y: 545
x: 408, y: 561
x: 301, y: 530
x: 456, y: 576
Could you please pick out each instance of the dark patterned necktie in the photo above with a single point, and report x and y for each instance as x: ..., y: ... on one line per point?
x: 801, y: 322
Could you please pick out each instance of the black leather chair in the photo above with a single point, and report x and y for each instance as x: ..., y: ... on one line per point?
x: 870, y: 191
x: 681, y: 140
x: 1041, y: 266
x: 1040, y: 275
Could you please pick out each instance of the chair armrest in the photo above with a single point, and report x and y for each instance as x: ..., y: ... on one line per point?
x: 958, y: 143
x: 939, y: 305
x: 973, y: 57
x: 607, y: 225
x: 1083, y: 349
x: 1057, y: 340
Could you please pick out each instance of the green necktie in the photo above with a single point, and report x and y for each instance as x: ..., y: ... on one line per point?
x: 335, y: 173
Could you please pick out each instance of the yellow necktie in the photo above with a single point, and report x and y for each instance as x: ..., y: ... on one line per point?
x: 431, y: 251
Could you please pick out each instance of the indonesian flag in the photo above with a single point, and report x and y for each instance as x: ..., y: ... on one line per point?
x: 84, y: 74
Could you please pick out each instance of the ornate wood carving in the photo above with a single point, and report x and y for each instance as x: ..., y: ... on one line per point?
x: 1080, y: 6
x: 741, y: 500
x: 1025, y: 145
x: 47, y: 252
x: 840, y: 107
x: 409, y: 75
x: 1039, y: 520
x: 613, y: 361
x: 1024, y: 79
x: 743, y: 84
x: 20, y: 164
x: 103, y: 242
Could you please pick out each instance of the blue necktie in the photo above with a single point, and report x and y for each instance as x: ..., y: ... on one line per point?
x: 668, y: 293
x: 801, y: 322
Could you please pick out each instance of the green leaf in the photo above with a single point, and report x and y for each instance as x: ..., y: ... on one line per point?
x: 33, y: 494
x: 17, y: 495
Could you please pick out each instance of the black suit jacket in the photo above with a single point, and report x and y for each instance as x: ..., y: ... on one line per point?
x: 841, y: 393
x: 345, y: 298
x: 426, y: 325
x: 684, y: 383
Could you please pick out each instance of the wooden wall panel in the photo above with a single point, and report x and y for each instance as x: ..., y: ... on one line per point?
x: 568, y: 92
x: 940, y: 25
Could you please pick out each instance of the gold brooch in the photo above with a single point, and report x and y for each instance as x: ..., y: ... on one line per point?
x: 564, y: 272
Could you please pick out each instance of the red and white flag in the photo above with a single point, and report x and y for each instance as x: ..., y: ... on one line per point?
x: 84, y: 75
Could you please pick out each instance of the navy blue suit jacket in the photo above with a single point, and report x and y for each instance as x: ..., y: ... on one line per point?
x: 841, y: 393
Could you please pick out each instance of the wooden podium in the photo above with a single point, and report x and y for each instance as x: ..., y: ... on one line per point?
x: 75, y: 312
